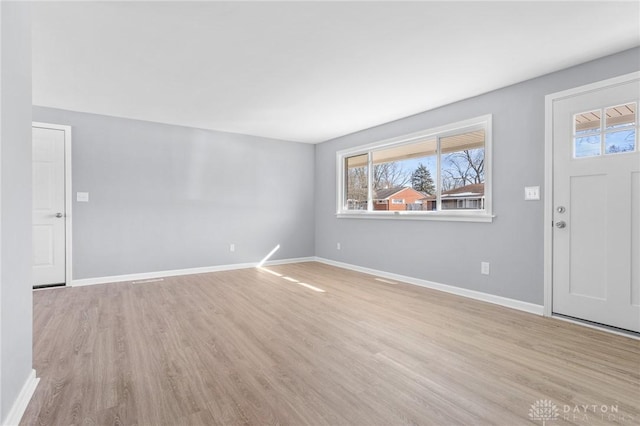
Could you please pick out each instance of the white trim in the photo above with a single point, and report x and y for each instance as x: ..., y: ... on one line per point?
x: 472, y: 294
x: 548, y: 205
x: 443, y: 215
x: 68, y: 196
x: 189, y: 271
x: 20, y: 405
x: 548, y: 174
x: 1, y: 213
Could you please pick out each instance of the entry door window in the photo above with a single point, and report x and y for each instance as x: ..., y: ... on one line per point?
x: 615, y: 134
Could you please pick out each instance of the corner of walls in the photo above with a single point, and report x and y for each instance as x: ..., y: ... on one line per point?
x: 1, y: 130
x: 316, y: 167
x: 182, y: 198
x: 17, y: 378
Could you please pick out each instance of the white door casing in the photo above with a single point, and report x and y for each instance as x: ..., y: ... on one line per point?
x: 595, y: 269
x: 50, y: 204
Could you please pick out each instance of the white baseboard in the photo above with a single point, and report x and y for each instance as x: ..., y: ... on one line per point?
x: 472, y: 294
x: 20, y: 405
x: 176, y: 272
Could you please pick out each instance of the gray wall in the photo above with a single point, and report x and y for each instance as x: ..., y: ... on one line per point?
x: 451, y: 252
x: 165, y: 197
x: 15, y: 203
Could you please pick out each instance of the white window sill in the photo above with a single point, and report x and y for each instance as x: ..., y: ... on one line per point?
x: 467, y: 216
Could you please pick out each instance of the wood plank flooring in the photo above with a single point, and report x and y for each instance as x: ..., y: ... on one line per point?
x: 254, y: 347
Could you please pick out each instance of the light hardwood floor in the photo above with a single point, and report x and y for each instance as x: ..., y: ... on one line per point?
x: 253, y: 347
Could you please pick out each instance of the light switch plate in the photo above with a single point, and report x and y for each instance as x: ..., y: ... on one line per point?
x: 531, y: 193
x: 82, y: 197
x: 484, y: 268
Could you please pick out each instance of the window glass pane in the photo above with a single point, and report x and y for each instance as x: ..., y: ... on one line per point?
x: 621, y: 116
x: 404, y: 177
x: 621, y: 141
x: 586, y: 146
x: 357, y: 182
x: 462, y: 171
x: 587, y: 122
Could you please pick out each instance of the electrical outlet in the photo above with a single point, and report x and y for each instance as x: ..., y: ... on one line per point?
x: 484, y: 268
x: 338, y: 246
x: 531, y: 193
x: 232, y: 247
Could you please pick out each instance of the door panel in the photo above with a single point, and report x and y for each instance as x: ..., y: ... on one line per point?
x: 596, y: 171
x: 48, y: 206
x: 43, y: 250
x: 587, y: 232
x: 43, y: 176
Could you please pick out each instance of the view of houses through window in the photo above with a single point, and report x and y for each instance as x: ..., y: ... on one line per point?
x: 439, y: 172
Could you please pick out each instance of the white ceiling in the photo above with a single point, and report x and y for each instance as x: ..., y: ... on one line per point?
x: 306, y: 71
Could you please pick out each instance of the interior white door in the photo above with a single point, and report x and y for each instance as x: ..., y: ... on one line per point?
x: 596, y: 200
x: 48, y: 206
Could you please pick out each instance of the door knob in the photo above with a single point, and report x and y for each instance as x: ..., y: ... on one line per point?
x: 59, y: 215
x: 561, y: 224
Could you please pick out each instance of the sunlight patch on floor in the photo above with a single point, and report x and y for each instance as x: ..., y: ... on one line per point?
x: 382, y: 280
x: 311, y: 287
x: 291, y: 280
x: 269, y: 271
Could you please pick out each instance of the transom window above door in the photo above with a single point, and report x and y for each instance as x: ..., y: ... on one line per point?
x: 608, y: 130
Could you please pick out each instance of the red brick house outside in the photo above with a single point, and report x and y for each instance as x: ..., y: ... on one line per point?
x: 398, y: 198
x: 468, y: 197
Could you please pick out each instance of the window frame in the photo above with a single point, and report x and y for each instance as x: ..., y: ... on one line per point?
x: 486, y: 215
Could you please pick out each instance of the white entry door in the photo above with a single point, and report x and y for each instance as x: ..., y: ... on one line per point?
x: 596, y: 201
x: 49, y: 214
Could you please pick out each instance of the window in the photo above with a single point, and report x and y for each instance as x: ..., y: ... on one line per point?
x: 356, y: 182
x: 441, y: 173
x: 615, y: 134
